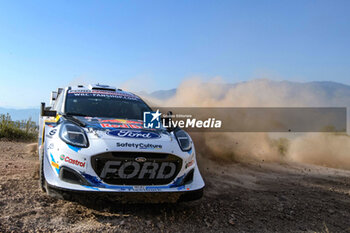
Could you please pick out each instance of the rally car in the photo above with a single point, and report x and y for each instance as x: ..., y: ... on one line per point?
x: 93, y: 139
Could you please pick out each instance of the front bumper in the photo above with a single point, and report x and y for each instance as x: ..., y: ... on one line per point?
x: 95, y: 184
x: 127, y: 197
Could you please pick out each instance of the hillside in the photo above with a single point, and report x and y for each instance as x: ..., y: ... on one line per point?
x: 318, y: 94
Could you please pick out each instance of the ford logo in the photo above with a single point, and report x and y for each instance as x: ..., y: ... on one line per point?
x: 140, y: 159
x: 138, y: 134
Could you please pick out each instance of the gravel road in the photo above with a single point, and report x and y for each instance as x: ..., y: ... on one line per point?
x: 239, y: 197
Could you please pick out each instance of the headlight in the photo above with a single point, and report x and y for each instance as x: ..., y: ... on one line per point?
x: 73, y: 135
x: 183, y: 139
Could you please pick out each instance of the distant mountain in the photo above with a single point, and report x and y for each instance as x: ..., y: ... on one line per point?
x: 284, y: 93
x: 22, y: 114
x: 163, y: 94
x: 278, y: 93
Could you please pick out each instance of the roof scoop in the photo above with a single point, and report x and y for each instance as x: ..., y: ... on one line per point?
x: 101, y: 87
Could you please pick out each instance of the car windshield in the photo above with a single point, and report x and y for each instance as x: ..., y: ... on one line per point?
x: 110, y: 104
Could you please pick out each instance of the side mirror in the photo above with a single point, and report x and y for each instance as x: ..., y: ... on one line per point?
x: 45, y: 112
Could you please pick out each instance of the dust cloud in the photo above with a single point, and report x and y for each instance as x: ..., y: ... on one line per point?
x: 325, y: 149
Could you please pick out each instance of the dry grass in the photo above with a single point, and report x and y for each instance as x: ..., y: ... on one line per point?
x: 25, y: 130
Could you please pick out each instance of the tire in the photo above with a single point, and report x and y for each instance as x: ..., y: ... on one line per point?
x: 46, y: 188
x: 42, y: 181
x: 57, y: 193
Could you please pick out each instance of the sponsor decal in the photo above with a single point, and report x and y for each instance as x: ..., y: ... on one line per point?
x: 107, y: 125
x: 146, y: 189
x: 152, y: 119
x: 53, y: 162
x: 122, y: 121
x: 50, y: 124
x: 133, y: 134
x: 113, y: 123
x: 138, y: 145
x: 55, y: 165
x: 138, y: 188
x: 72, y: 161
x: 103, y: 93
x: 126, y: 125
x: 135, y: 170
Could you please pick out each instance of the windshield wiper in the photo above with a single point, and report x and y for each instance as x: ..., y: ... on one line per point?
x: 71, y: 117
x: 75, y: 114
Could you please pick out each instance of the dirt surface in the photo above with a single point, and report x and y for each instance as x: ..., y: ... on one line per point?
x: 239, y: 197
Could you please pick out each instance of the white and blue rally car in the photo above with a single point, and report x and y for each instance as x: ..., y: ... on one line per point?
x: 93, y: 139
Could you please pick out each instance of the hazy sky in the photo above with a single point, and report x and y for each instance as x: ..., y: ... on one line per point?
x: 154, y: 45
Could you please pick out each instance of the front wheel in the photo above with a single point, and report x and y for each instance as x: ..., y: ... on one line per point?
x: 42, y: 181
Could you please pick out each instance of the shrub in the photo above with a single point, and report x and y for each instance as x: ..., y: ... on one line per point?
x: 25, y: 130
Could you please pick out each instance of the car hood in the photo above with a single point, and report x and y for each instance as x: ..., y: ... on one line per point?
x: 110, y: 123
x: 121, y: 129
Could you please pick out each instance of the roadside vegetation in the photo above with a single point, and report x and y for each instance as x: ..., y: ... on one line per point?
x: 25, y: 130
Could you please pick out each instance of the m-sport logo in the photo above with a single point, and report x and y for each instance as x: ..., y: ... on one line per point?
x: 133, y: 134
